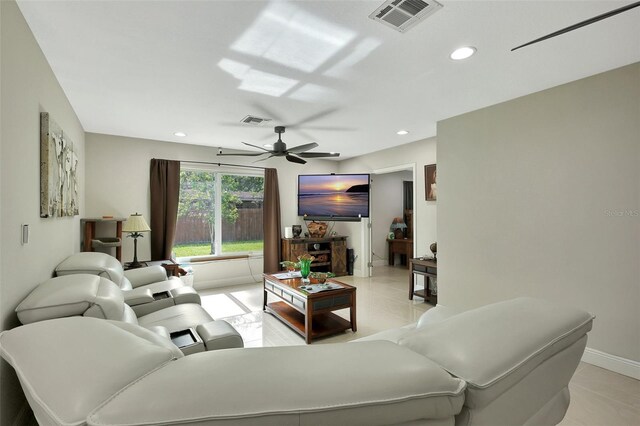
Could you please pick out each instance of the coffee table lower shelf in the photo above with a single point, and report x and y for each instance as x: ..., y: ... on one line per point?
x: 324, y: 324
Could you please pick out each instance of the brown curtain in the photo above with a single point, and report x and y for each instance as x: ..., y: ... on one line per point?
x: 165, y: 193
x: 271, y: 221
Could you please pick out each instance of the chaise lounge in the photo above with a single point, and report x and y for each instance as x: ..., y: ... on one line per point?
x: 508, y: 363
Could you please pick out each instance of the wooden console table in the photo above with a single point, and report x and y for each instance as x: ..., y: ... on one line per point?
x: 404, y: 247
x: 330, y: 253
x: 429, y: 270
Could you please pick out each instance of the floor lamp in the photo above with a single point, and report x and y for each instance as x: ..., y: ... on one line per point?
x: 135, y: 225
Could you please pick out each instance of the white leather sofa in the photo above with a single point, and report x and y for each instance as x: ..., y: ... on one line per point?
x: 145, y: 289
x: 86, y: 295
x: 503, y: 364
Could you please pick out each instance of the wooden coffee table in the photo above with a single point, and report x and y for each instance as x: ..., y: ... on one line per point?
x: 310, y: 315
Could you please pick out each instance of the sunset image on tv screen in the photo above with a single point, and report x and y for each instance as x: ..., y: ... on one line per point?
x: 333, y: 195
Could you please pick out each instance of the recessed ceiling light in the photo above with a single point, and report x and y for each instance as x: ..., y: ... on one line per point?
x: 180, y: 134
x: 402, y: 132
x: 268, y: 145
x: 462, y: 53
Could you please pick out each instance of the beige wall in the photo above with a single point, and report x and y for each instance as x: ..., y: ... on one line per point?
x: 110, y: 191
x: 28, y: 87
x: 418, y: 154
x: 540, y: 196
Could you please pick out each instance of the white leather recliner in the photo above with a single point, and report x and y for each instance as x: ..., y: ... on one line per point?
x: 508, y: 363
x: 145, y: 289
x: 94, y: 296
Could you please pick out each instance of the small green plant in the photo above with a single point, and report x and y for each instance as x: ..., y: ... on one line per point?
x: 289, y: 265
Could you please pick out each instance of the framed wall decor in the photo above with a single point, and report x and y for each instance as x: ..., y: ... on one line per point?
x: 430, y: 172
x: 58, y: 171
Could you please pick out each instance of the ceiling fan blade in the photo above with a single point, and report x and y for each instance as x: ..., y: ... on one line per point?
x: 581, y: 24
x: 332, y: 128
x: 312, y: 117
x: 256, y: 146
x: 267, y: 112
x: 265, y: 158
x: 295, y: 159
x: 242, y: 154
x: 302, y: 148
x: 319, y: 154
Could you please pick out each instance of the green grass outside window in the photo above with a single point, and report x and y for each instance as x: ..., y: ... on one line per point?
x: 204, y: 249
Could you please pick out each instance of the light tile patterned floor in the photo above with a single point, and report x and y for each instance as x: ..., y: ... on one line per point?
x: 382, y: 303
x: 598, y: 397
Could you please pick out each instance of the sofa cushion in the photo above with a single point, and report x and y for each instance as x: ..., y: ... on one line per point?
x: 495, y: 346
x: 436, y: 314
x: 94, y: 263
x: 178, y: 317
x: 69, y: 366
x: 81, y: 294
x: 315, y: 385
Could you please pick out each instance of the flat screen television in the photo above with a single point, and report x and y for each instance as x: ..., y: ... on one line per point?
x: 343, y: 197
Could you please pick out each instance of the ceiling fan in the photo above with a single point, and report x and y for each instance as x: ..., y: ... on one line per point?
x: 581, y: 24
x: 294, y: 155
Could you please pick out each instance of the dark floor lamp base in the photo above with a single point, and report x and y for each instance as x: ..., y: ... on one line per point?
x: 133, y: 265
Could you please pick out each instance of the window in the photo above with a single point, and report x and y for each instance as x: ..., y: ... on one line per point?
x: 219, y: 213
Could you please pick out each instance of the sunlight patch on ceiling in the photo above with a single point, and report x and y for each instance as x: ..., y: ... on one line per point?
x: 287, y: 35
x: 256, y: 81
x: 360, y: 51
x: 313, y: 92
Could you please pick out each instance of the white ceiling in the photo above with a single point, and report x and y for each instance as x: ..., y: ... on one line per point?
x: 147, y: 69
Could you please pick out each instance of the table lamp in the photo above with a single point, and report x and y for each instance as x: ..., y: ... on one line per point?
x: 398, y: 226
x: 134, y: 226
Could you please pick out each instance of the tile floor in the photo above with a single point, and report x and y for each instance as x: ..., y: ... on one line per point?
x: 598, y: 397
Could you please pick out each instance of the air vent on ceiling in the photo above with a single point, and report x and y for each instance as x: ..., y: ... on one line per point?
x: 404, y: 14
x: 254, y: 121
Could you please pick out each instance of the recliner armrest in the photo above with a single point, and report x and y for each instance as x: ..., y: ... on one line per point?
x: 138, y: 296
x: 146, y: 275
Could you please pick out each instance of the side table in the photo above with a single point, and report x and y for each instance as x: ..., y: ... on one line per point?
x: 428, y: 268
x: 402, y: 246
x: 173, y: 269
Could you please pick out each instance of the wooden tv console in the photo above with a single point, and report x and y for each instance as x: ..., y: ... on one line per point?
x: 330, y: 252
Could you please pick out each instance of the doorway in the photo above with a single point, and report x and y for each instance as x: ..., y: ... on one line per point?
x: 393, y: 191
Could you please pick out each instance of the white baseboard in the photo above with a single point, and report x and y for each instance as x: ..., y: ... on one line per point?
x: 226, y: 282
x: 626, y: 367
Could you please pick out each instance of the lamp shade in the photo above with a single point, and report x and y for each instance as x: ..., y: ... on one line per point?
x: 136, y: 223
x: 398, y: 223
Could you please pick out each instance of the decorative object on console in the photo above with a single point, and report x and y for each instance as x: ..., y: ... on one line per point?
x: 288, y: 233
x: 58, y: 165
x: 430, y: 182
x: 304, y: 260
x: 321, y: 277
x: 434, y: 249
x: 297, y: 230
x: 289, y: 266
x: 317, y: 229
x: 397, y: 227
x: 134, y: 226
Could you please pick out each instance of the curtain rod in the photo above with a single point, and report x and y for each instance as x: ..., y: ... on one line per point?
x: 224, y: 164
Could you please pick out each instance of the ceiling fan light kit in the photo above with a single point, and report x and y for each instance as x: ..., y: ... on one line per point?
x: 279, y: 149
